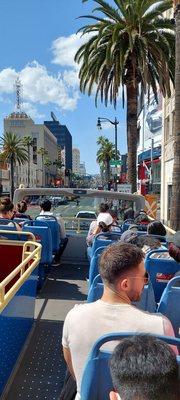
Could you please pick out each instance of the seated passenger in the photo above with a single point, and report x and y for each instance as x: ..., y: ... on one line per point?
x: 115, y: 226
x: 103, y: 208
x: 104, y: 222
x: 21, y: 208
x: 7, y: 211
x: 156, y: 228
x: 144, y: 368
x: 144, y: 242
x: 128, y: 212
x: 124, y: 276
x: 174, y: 246
x: 46, y: 210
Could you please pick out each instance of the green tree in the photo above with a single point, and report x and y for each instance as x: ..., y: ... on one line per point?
x: 13, y: 152
x: 131, y: 45
x: 43, y: 153
x: 28, y: 142
x: 175, y: 204
x: 105, y: 153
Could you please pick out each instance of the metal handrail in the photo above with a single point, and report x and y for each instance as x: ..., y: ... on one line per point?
x: 17, y: 233
x: 27, y: 256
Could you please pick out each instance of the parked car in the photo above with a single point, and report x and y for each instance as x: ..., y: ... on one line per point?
x: 86, y: 215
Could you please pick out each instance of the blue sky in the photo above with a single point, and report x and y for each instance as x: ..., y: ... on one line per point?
x: 38, y: 41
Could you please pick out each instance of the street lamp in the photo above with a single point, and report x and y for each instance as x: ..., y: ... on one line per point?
x: 115, y: 123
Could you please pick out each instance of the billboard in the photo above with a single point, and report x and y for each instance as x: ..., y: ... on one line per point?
x: 153, y: 120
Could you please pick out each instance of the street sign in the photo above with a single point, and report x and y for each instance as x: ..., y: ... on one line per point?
x: 124, y: 188
x: 114, y: 163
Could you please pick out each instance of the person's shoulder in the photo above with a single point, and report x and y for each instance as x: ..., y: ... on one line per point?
x: 80, y: 309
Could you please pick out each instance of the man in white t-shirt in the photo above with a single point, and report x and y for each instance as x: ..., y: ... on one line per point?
x: 124, y: 276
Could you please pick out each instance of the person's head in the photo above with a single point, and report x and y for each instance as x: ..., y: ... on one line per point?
x: 144, y: 368
x: 129, y: 236
x: 156, y: 228
x: 22, y: 207
x: 103, y: 208
x: 103, y: 227
x: 104, y: 219
x: 174, y: 246
x: 46, y: 205
x: 122, y: 270
x: 6, y: 207
x: 114, y: 215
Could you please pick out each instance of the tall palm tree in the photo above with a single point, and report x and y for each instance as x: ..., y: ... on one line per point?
x: 175, y: 204
x: 131, y: 45
x: 105, y: 153
x: 13, y: 152
x: 28, y: 142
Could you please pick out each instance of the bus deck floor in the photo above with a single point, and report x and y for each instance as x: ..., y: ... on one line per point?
x: 41, y: 370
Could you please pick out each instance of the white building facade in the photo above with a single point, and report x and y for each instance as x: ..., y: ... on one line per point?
x: 76, y: 160
x: 167, y: 158
x: 40, y: 174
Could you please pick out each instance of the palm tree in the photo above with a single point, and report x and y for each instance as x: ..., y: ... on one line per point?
x: 42, y: 152
x: 132, y: 45
x: 105, y: 153
x: 28, y: 142
x: 13, y: 152
x: 175, y: 204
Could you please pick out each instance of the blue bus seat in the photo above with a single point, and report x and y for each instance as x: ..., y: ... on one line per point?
x: 161, y: 271
x: 93, y: 269
x: 53, y: 224
x: 104, y: 239
x: 4, y: 225
x: 169, y: 304
x: 96, y: 380
x: 146, y: 303
x: 42, y: 235
x: 127, y: 223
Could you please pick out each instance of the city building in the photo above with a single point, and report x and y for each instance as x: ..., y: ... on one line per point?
x: 64, y: 138
x: 4, y: 178
x: 82, y: 168
x: 167, y: 157
x: 150, y: 123
x: 42, y: 170
x: 75, y: 160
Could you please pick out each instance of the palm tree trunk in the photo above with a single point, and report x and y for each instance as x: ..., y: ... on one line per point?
x: 132, y: 139
x: 175, y: 204
x: 28, y: 177
x: 12, y: 178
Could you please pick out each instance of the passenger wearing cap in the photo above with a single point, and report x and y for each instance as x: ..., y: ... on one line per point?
x: 104, y: 223
x: 103, y: 209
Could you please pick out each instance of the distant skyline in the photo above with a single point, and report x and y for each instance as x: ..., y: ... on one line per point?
x: 38, y: 42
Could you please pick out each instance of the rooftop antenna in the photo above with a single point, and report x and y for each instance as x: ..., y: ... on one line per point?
x: 18, y: 89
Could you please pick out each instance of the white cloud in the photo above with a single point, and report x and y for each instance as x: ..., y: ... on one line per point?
x: 65, y: 48
x: 39, y: 86
x: 32, y: 111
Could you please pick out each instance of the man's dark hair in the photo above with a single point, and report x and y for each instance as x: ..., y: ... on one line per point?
x: 156, y: 228
x: 103, y: 207
x: 145, y: 368
x: 117, y: 259
x: 46, y: 205
x: 174, y: 252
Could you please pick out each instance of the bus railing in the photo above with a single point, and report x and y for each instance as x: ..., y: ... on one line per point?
x: 31, y: 254
x: 77, y: 223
